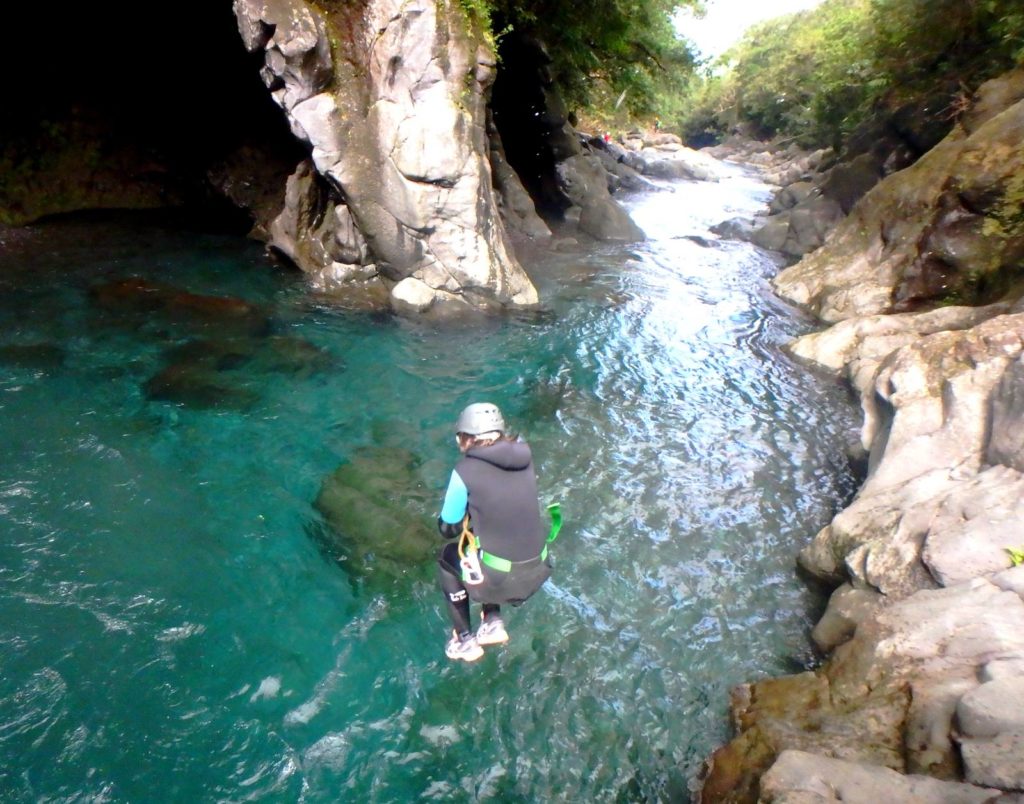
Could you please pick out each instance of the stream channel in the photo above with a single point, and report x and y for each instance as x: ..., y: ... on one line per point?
x: 179, y: 621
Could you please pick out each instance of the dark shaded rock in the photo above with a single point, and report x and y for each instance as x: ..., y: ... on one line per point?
x: 735, y: 229
x: 566, y: 180
x: 703, y: 242
x: 773, y: 233
x: 791, y: 195
x: 1006, y: 411
x: 129, y: 143
x: 810, y: 223
x: 671, y: 169
x: 38, y: 356
x: 848, y: 182
x: 631, y: 180
x: 993, y: 97
x: 585, y: 183
x: 196, y: 386
x: 925, y: 123
x: 517, y: 208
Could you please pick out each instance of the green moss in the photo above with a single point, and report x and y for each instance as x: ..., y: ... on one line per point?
x: 1007, y: 220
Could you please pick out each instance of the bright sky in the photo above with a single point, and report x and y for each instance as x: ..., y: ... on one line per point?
x: 726, y: 20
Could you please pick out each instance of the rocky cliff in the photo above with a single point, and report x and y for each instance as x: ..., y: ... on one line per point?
x: 397, y: 191
x: 919, y: 698
x: 358, y: 140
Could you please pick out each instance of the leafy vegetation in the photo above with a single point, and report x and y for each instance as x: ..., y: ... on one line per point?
x: 816, y: 75
x: 608, y: 52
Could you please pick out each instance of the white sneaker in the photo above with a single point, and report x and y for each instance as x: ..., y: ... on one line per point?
x: 467, y: 650
x: 492, y: 632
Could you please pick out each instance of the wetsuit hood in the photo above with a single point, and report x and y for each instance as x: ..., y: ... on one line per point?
x: 508, y: 455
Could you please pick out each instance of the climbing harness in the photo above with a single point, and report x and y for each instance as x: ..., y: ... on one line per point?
x: 470, y: 554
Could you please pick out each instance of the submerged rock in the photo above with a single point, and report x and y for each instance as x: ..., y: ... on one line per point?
x: 142, y: 300
x: 378, y: 509
x: 197, y: 387
x: 227, y: 372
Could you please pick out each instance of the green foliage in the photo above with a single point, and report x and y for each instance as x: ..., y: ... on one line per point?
x: 1016, y: 556
x: 915, y: 40
x: 800, y: 75
x: 816, y: 75
x: 604, y: 48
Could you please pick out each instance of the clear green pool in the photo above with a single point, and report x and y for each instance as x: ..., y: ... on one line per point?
x: 179, y: 623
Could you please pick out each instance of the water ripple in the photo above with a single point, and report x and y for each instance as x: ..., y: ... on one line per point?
x: 172, y: 626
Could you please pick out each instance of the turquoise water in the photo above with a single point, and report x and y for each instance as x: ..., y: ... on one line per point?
x: 179, y: 622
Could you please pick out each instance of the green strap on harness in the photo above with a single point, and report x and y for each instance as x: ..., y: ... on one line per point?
x: 504, y: 565
x: 555, y: 512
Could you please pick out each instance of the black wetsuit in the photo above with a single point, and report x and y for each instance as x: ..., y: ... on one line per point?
x: 499, y: 487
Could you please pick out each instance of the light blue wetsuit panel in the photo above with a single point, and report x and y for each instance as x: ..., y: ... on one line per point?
x: 456, y: 498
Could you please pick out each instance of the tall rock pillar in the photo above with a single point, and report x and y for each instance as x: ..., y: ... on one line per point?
x: 390, y: 98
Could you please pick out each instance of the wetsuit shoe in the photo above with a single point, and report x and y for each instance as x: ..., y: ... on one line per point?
x: 492, y: 632
x: 466, y: 648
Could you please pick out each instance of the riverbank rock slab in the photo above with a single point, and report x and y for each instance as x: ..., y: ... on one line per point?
x: 928, y: 427
x: 996, y: 761
x: 946, y: 228
x: 887, y: 697
x: 932, y: 536
x: 801, y: 778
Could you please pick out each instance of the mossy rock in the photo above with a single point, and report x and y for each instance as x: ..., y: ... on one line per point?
x: 378, y: 510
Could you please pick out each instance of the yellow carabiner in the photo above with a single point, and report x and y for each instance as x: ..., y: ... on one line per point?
x: 466, y: 537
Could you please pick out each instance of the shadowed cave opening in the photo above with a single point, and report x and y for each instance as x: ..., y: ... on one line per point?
x: 124, y: 107
x: 530, y: 117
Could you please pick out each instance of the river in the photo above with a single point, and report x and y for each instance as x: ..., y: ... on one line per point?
x: 176, y: 623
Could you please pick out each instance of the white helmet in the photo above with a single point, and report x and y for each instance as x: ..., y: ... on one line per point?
x: 480, y: 418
